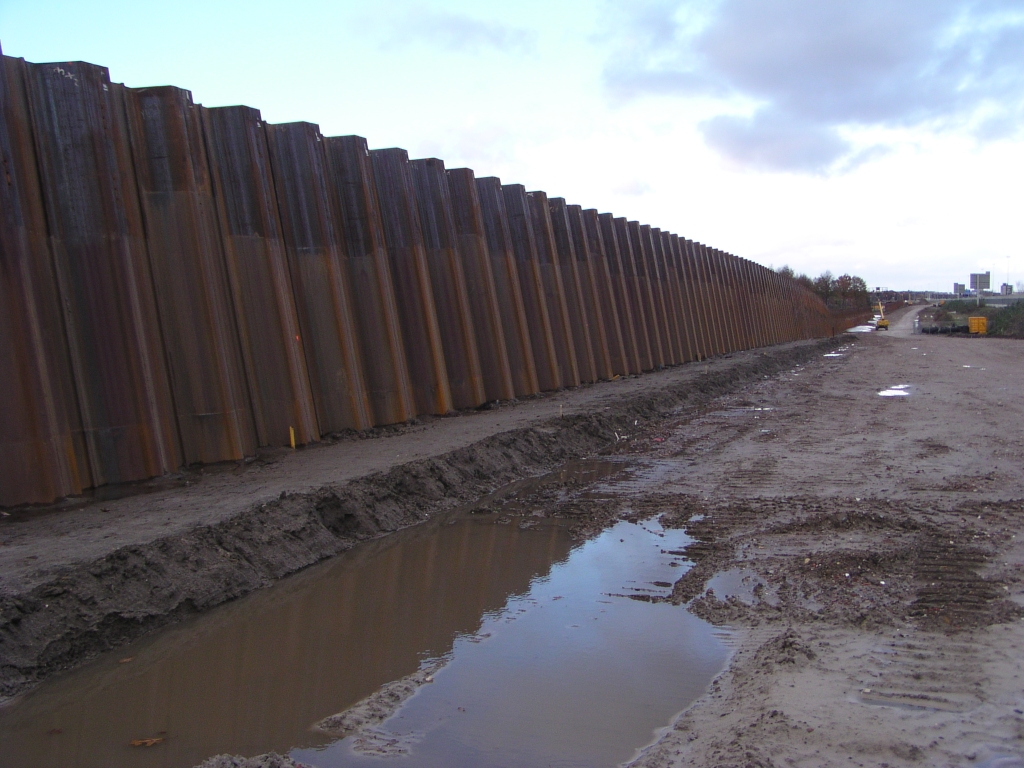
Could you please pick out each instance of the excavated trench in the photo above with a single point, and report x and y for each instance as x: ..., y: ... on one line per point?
x: 488, y: 595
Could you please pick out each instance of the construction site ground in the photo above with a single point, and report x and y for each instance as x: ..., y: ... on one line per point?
x: 864, y: 549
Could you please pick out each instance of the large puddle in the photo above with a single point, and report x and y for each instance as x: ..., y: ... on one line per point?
x: 540, y: 653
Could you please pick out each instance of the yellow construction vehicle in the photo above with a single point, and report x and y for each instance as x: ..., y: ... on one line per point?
x: 881, y: 324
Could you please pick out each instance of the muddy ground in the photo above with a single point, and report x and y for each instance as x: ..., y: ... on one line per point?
x: 865, y: 551
x: 86, y: 576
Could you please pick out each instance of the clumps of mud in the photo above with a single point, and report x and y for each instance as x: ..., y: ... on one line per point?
x: 865, y: 563
x: 270, y: 760
x: 362, y: 718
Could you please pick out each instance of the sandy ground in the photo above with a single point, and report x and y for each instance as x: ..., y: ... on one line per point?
x: 868, y: 553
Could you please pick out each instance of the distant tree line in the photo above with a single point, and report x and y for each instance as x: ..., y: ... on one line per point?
x: 845, y: 291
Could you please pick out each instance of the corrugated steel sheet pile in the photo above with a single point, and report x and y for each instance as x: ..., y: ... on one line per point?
x: 183, y: 285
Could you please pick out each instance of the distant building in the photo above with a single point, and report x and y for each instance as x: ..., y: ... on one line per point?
x: 981, y: 281
x: 1006, y: 289
x: 959, y: 289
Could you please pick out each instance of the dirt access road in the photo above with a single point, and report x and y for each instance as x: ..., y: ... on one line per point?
x: 867, y: 550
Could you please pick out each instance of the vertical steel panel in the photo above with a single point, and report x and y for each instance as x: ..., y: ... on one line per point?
x: 721, y: 299
x: 506, y: 279
x: 524, y: 245
x: 42, y: 452
x: 482, y: 285
x: 656, y: 296
x: 211, y: 397
x: 594, y: 283
x: 709, y: 324
x: 631, y: 245
x: 582, y: 324
x: 257, y: 266
x: 627, y: 254
x: 456, y: 314
x: 688, y: 298
x: 674, y: 350
x: 369, y: 275
x: 731, y: 298
x: 716, y: 304
x: 99, y: 251
x: 736, y: 299
x: 622, y: 289
x: 674, y: 292
x: 618, y: 361
x: 414, y: 296
x: 554, y: 288
x: 311, y: 222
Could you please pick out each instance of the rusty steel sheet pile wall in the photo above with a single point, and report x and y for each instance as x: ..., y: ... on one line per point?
x: 556, y: 291
x: 98, y: 248
x: 607, y: 301
x: 181, y: 284
x: 472, y: 250
x: 414, y: 295
x: 452, y: 303
x: 378, y: 328
x: 311, y: 222
x: 42, y: 451
x: 580, y: 322
x: 260, y: 280
x: 531, y: 282
x: 193, y: 297
x: 511, y: 304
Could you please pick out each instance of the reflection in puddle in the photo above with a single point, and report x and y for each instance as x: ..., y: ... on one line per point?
x: 573, y: 673
x: 861, y: 329
x: 536, y: 651
x: 897, y: 390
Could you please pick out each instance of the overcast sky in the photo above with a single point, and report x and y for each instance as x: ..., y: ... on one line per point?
x: 878, y: 137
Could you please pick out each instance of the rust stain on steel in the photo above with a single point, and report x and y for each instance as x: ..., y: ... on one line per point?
x: 628, y: 249
x: 655, y: 322
x: 257, y: 266
x: 662, y: 297
x: 655, y: 280
x: 688, y: 317
x: 673, y: 302
x: 582, y: 320
x: 607, y: 300
x: 524, y: 246
x: 424, y: 350
x: 311, y: 222
x: 712, y: 301
x: 554, y: 288
x: 506, y: 282
x: 732, y: 303
x: 365, y: 257
x: 99, y: 251
x: 455, y: 309
x: 593, y: 275
x: 706, y: 323
x: 481, y: 284
x: 621, y: 288
x: 211, y: 398
x: 42, y: 453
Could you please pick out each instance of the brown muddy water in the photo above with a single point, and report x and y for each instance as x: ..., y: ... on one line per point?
x: 547, y: 653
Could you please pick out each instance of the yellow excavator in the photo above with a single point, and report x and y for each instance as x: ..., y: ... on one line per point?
x: 882, y: 324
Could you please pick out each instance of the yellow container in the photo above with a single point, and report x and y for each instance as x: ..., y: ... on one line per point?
x: 977, y: 324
